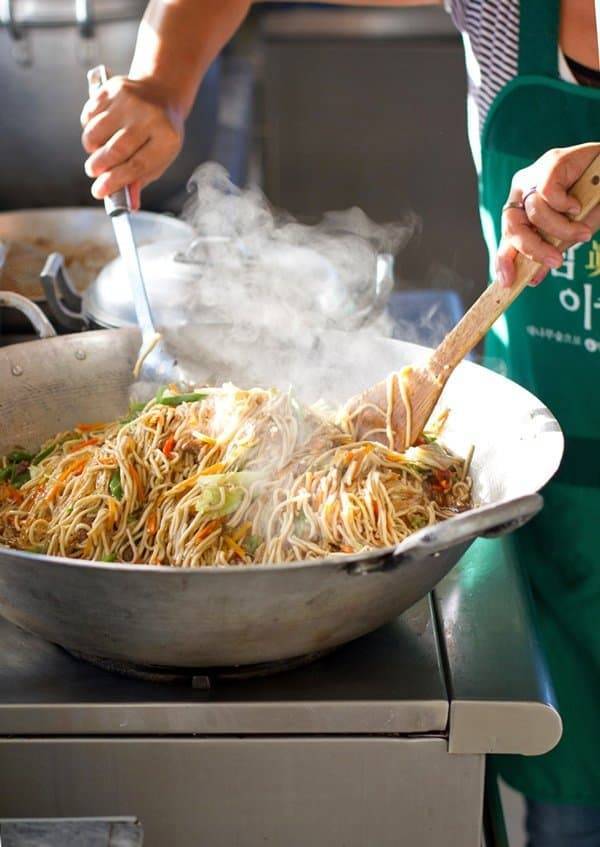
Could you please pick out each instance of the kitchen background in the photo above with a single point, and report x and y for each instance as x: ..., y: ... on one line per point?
x: 323, y: 108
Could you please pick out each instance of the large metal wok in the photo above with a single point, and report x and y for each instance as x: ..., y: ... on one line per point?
x: 241, y: 615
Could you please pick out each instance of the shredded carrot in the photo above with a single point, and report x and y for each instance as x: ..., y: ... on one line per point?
x: 190, y: 481
x: 169, y: 446
x: 82, y: 445
x: 234, y: 546
x: 71, y: 470
x: 345, y: 549
x: 218, y: 467
x: 207, y: 530
x: 375, y: 510
x: 241, y: 531
x: 90, y: 427
x: 136, y: 480
x: 359, y: 453
x: 113, y: 512
x: 152, y: 524
x: 9, y: 492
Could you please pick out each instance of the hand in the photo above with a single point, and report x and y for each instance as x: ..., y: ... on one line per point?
x: 131, y: 134
x: 546, y: 210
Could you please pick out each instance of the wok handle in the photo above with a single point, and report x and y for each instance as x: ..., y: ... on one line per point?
x: 33, y: 313
x: 120, y: 201
x: 489, y: 522
x: 64, y: 303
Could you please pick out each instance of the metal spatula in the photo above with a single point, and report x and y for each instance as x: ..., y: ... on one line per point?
x: 156, y: 364
x: 423, y: 385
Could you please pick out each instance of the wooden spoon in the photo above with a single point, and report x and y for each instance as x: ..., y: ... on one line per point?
x: 422, y: 386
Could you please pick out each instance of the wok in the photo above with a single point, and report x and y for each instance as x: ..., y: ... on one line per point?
x: 239, y: 615
x: 70, y: 226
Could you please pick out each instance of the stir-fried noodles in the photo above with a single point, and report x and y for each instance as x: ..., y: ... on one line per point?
x: 224, y: 476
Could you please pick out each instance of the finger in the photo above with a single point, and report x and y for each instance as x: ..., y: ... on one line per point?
x: 539, y: 277
x: 134, y: 170
x: 117, y: 150
x: 505, y: 265
x: 135, y: 195
x: 94, y: 106
x: 552, y: 223
x: 569, y: 165
x: 593, y: 220
x: 528, y: 242
x: 99, y: 129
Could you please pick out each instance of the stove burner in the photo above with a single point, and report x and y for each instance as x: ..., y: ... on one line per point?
x: 202, y: 678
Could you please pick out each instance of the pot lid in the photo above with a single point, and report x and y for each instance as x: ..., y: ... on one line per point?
x: 222, y: 280
x: 108, y: 300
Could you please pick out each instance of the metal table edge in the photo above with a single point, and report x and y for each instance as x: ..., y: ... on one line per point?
x: 501, y: 694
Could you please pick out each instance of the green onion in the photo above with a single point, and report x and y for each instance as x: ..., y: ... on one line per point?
x: 43, y: 454
x: 301, y: 525
x: 19, y: 456
x: 110, y: 557
x: 114, y: 486
x: 252, y: 543
x: 21, y: 479
x: 134, y: 411
x: 6, y: 473
x: 178, y: 399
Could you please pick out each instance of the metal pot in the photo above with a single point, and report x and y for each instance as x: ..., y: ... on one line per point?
x: 238, y: 615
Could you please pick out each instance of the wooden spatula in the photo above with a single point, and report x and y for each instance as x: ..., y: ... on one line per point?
x: 421, y: 386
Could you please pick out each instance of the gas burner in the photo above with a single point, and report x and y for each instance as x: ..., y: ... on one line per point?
x: 202, y: 678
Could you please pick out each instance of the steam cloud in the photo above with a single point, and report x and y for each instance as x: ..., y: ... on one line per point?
x: 266, y: 288
x: 262, y: 268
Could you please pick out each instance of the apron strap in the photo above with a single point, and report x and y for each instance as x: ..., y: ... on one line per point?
x: 539, y: 38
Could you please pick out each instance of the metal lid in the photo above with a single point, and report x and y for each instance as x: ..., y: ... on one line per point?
x: 221, y: 280
x: 108, y: 300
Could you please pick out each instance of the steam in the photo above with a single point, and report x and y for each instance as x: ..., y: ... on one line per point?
x: 266, y: 288
x: 261, y: 268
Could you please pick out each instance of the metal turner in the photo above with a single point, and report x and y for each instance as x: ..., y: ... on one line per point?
x: 156, y: 363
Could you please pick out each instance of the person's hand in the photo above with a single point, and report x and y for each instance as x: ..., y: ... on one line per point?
x: 539, y: 201
x: 131, y: 134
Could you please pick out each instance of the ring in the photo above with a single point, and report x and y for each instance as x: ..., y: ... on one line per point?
x: 517, y: 205
x: 532, y: 190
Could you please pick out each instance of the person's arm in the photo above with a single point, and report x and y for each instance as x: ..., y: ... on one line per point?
x: 133, y: 129
x: 545, y: 186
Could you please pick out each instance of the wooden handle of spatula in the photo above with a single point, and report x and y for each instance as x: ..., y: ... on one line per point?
x: 495, y: 299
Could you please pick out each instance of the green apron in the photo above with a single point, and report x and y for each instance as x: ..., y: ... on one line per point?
x: 549, y: 341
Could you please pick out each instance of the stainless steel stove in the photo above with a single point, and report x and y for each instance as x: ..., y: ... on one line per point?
x: 381, y: 743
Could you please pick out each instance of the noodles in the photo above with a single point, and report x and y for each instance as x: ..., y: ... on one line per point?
x: 224, y: 476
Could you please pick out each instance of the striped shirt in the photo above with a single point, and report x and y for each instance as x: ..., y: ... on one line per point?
x: 490, y: 30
